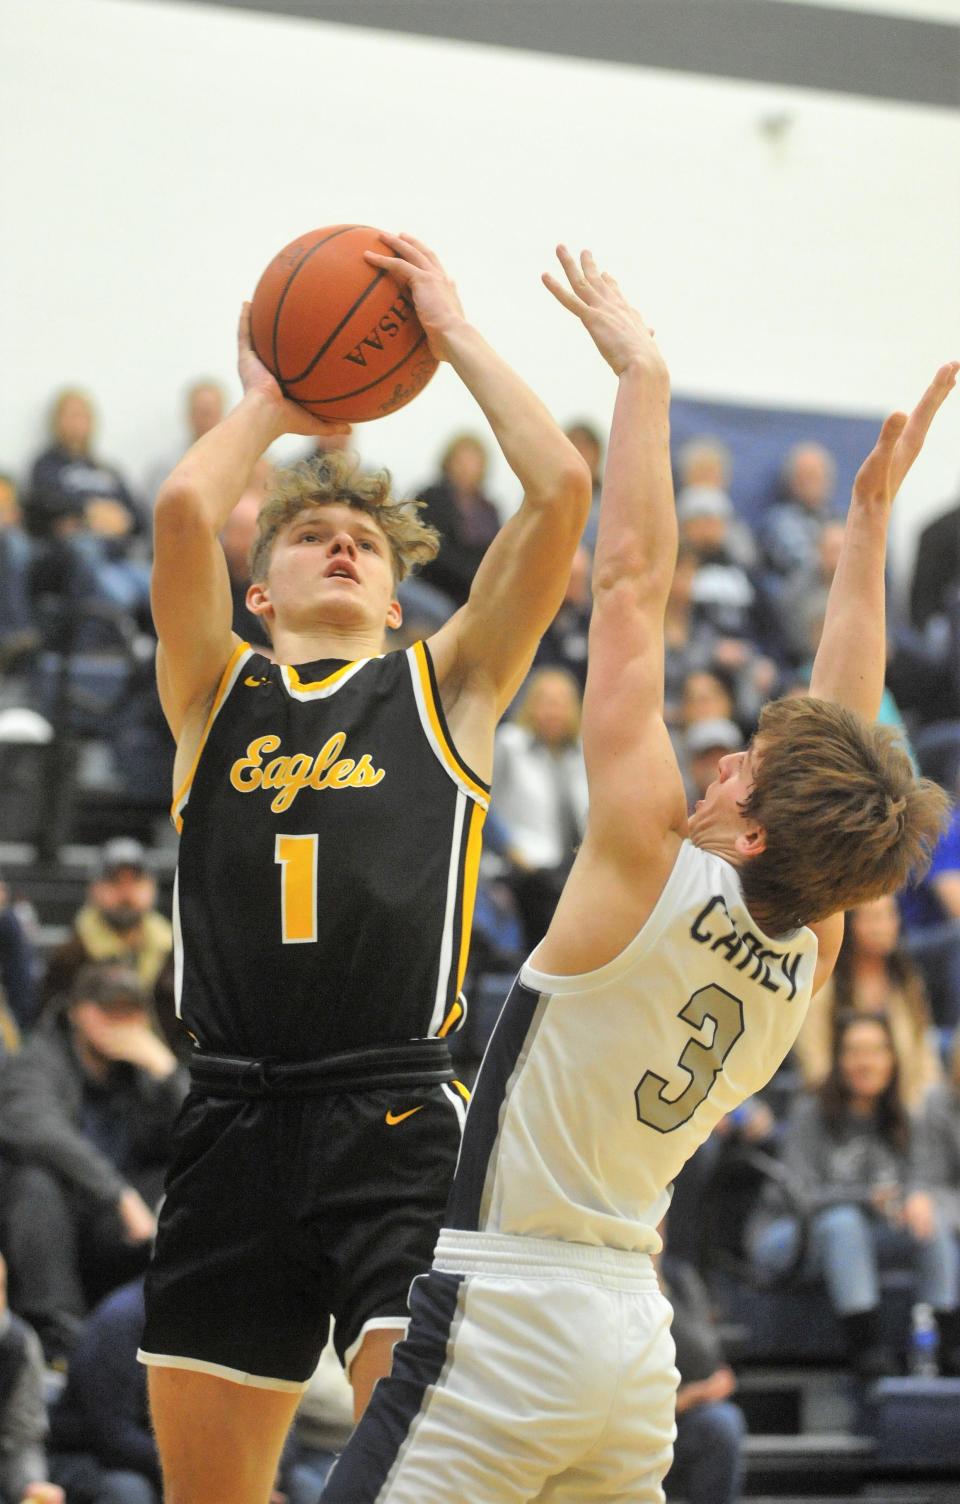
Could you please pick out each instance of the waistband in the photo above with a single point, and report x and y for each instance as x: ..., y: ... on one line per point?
x: 499, y: 1254
x: 417, y: 1063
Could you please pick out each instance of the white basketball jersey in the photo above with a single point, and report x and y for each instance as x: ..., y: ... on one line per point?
x: 596, y: 1089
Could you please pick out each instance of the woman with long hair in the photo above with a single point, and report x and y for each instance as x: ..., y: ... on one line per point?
x: 873, y: 974
x: 854, y: 1156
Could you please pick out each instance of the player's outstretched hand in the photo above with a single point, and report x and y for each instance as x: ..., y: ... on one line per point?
x: 255, y: 377
x: 618, y: 330
x: 434, y: 293
x: 901, y: 440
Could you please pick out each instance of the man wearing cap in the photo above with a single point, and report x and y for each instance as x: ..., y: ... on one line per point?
x: 723, y: 593
x: 87, y: 1109
x: 118, y: 922
x: 704, y: 743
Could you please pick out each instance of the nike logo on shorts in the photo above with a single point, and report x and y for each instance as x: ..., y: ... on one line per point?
x: 393, y: 1118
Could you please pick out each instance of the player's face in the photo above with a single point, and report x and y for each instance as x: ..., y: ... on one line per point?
x: 718, y: 817
x: 331, y: 563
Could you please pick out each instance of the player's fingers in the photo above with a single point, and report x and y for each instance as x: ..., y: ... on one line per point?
x: 562, y: 295
x: 395, y: 265
x: 243, y: 326
x: 421, y: 247
x: 406, y: 248
x: 573, y: 273
x: 911, y: 440
x: 591, y: 271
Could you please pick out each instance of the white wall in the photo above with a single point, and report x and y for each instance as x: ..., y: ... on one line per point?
x: 156, y: 155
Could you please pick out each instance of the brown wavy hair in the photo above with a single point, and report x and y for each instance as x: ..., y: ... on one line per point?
x: 890, y: 1115
x: 337, y: 477
x: 845, y: 817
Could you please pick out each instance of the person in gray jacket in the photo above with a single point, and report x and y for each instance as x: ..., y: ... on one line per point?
x: 862, y: 1173
x: 23, y: 1412
x: 86, y: 1113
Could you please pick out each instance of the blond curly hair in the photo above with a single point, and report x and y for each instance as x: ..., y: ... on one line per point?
x: 337, y: 478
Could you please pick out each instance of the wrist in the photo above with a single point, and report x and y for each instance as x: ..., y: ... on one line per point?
x: 455, y: 338
x: 648, y: 368
x: 264, y: 414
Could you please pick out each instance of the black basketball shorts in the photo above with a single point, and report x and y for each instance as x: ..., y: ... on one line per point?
x: 283, y: 1211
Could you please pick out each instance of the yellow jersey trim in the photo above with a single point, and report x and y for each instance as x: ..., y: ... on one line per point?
x: 321, y: 687
x: 447, y: 751
x: 240, y: 653
x: 471, y: 874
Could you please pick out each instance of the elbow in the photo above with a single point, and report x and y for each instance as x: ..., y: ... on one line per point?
x: 568, y: 492
x: 179, y: 508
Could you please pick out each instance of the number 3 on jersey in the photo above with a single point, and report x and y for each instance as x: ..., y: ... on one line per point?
x: 297, y: 858
x: 702, y: 1062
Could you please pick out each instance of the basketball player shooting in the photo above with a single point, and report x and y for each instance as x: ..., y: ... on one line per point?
x: 331, y: 805
x: 669, y: 987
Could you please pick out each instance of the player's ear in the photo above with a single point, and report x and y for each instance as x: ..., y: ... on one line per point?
x: 751, y: 842
x: 394, y: 615
x: 257, y: 599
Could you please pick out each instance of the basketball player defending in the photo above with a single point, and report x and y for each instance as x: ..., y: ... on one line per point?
x: 331, y: 804
x: 670, y: 985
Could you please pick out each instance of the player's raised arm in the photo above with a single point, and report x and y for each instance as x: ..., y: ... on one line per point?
x: 850, y: 661
x: 636, y: 793
x: 519, y: 586
x: 190, y: 589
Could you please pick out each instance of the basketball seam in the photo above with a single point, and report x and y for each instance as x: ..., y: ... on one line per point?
x: 288, y: 284
x: 294, y: 380
x: 344, y: 396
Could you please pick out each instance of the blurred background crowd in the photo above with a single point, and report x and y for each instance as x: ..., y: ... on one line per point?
x: 844, y: 1178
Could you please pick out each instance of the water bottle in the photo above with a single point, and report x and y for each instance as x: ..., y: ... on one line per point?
x: 924, y: 1339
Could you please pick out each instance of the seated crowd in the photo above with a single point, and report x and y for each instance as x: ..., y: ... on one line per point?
x: 864, y: 1117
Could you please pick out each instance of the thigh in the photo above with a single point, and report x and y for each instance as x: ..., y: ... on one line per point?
x: 235, y: 1287
x: 217, y: 1440
x: 628, y: 1461
x: 498, y: 1386
x: 382, y: 1204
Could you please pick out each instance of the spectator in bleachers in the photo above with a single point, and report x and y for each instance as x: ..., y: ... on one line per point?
x: 873, y: 974
x: 564, y: 643
x: 540, y: 793
x: 790, y: 531
x: 708, y: 695
x: 119, y: 922
x: 18, y: 629
x: 931, y: 917
x: 704, y: 743
x: 466, y: 519
x: 688, y: 642
x: 83, y: 510
x: 708, y: 462
x: 708, y: 1451
x: 723, y: 593
x: 936, y: 571
x: 732, y: 684
x: 203, y: 409
x: 86, y: 1112
x: 102, y: 1446
x: 855, y: 1159
x: 70, y: 488
x: 17, y: 964
x: 237, y: 539
x: 940, y: 1146
x: 801, y: 603
x: 24, y: 1468
x: 588, y: 442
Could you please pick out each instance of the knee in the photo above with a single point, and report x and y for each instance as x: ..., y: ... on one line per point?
x: 843, y: 1226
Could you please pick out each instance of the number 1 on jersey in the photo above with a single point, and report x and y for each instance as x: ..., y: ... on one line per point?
x: 297, y: 858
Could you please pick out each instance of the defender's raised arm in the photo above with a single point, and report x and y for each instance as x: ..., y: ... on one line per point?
x: 636, y: 793
x: 851, y: 659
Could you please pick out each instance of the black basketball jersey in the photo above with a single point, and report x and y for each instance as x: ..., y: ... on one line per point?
x: 330, y: 841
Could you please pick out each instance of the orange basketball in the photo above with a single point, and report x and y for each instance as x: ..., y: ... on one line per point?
x: 341, y: 336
